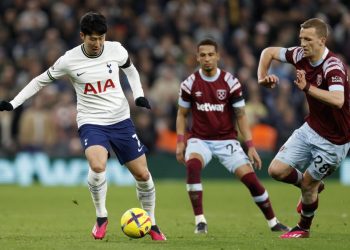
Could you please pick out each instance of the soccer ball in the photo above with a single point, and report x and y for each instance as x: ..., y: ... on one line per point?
x: 135, y: 223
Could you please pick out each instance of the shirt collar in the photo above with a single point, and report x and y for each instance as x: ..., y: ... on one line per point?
x: 211, y: 78
x: 89, y: 56
x: 325, y: 53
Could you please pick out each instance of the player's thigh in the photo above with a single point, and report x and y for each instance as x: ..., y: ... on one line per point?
x: 91, y: 134
x: 199, y: 147
x: 230, y: 154
x: 326, y: 157
x: 95, y: 144
x: 125, y: 142
x: 138, y: 168
x: 295, y: 152
x: 97, y: 156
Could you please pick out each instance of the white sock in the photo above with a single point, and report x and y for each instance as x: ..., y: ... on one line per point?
x: 272, y: 222
x: 98, y: 188
x: 200, y: 218
x: 146, y: 194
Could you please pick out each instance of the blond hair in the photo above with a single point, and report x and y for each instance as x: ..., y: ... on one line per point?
x: 320, y: 26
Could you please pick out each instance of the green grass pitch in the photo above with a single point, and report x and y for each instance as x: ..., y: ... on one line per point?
x: 62, y: 217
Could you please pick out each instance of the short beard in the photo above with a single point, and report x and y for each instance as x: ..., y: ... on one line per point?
x: 208, y: 70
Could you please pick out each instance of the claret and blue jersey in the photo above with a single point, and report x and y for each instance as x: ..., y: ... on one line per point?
x: 329, y: 73
x: 211, y: 101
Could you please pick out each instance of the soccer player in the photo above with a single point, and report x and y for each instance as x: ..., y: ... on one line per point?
x: 103, y: 114
x: 321, y: 143
x: 215, y: 98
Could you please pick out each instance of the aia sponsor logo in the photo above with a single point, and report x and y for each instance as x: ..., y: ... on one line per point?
x: 99, y: 87
x: 221, y: 94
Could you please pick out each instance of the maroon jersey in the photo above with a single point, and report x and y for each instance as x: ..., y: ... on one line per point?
x: 329, y: 74
x: 211, y: 103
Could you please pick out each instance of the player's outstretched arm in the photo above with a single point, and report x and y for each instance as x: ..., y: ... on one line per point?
x: 5, y: 106
x: 28, y: 91
x: 267, y: 55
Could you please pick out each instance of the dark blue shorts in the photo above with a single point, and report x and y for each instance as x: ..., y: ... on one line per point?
x: 121, y: 137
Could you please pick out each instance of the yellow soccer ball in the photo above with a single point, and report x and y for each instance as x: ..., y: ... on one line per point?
x: 135, y: 223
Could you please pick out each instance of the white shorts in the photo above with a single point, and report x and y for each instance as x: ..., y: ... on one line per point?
x: 229, y: 152
x: 307, y: 149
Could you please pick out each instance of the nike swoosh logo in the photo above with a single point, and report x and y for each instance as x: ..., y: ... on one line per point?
x: 139, y: 149
x: 80, y: 74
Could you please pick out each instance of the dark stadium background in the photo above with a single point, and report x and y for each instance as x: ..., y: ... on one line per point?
x: 161, y: 37
x: 39, y: 141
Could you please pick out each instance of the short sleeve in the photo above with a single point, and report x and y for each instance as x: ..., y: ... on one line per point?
x: 236, y: 95
x: 292, y: 55
x: 335, y: 74
x: 185, y: 92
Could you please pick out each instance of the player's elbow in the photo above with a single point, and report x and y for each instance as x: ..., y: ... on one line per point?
x: 336, y: 99
x: 338, y: 102
x: 271, y: 53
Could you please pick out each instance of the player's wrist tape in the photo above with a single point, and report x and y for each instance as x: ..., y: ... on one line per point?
x: 249, y: 143
x: 307, y: 87
x: 180, y: 138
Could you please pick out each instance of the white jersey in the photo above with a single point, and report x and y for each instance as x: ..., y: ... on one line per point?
x: 100, y: 98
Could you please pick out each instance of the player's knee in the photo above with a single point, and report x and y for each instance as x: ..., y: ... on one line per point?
x: 97, y: 166
x: 142, y: 176
x: 194, y: 164
x: 193, y: 171
x: 274, y: 171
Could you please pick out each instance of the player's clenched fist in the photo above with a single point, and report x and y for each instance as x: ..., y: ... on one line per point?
x: 4, y: 105
x: 142, y: 102
x: 269, y: 81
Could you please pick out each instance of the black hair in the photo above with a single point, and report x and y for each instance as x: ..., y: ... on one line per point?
x: 93, y: 22
x: 208, y: 41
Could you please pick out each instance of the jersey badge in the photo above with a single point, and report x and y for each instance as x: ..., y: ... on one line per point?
x: 319, y: 79
x: 221, y: 94
x: 109, y: 66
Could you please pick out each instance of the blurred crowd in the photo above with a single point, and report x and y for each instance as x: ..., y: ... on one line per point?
x: 161, y: 37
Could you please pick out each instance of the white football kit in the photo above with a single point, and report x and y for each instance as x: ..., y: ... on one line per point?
x: 100, y: 98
